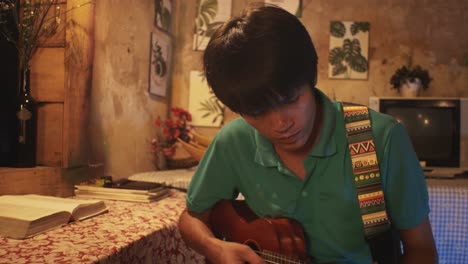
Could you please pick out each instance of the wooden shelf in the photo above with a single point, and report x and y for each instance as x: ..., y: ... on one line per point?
x: 53, y: 181
x: 61, y: 77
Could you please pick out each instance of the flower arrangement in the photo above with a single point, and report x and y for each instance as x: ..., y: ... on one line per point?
x: 410, y: 74
x: 35, y: 22
x: 170, y: 130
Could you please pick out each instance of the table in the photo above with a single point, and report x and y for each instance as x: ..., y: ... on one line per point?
x: 448, y: 200
x: 128, y: 233
x: 147, y: 233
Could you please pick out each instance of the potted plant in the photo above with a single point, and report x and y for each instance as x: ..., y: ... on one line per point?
x: 409, y: 80
x: 35, y: 22
x: 168, y: 133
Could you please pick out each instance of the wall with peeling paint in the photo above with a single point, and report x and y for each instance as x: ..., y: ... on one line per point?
x: 122, y: 111
x: 433, y: 32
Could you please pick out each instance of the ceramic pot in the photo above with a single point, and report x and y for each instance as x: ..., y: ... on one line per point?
x: 411, y: 89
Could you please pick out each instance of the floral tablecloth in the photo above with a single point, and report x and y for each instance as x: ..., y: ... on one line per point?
x: 128, y: 233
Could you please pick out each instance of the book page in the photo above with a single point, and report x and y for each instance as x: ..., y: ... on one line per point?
x: 80, y: 209
x: 118, y: 190
x: 179, y: 178
x: 118, y: 194
x: 85, y: 211
x: 25, y: 212
x: 143, y: 199
x: 24, y: 221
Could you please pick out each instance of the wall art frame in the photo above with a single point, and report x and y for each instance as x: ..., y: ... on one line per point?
x: 206, y: 109
x: 210, y: 15
x: 163, y: 14
x: 160, y: 62
x: 348, y: 50
x: 292, y: 6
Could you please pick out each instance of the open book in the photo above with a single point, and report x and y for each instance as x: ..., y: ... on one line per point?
x: 23, y: 216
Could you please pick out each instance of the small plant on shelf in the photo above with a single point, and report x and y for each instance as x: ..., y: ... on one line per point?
x: 409, y: 74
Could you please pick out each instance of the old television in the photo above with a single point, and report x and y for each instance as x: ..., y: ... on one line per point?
x: 438, y: 128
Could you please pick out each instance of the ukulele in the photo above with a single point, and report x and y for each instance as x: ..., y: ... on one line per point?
x: 275, y: 240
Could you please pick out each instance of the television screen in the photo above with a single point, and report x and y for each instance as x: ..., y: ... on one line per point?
x: 433, y: 128
x: 437, y: 127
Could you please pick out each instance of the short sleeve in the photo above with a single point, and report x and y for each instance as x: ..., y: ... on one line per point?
x: 404, y: 182
x: 214, y: 178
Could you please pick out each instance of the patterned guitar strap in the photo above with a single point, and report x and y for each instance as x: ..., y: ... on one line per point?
x: 368, y: 184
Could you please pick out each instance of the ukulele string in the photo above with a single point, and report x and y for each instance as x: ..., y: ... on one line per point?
x: 276, y: 257
x: 274, y: 262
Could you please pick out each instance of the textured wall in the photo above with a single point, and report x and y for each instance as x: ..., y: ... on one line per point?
x: 122, y: 111
x: 432, y: 31
x: 185, y: 59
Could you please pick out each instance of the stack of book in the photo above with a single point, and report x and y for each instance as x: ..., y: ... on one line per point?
x: 124, y: 190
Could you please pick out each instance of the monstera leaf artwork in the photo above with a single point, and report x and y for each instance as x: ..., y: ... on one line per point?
x: 349, y: 44
x: 206, y: 109
x: 211, y: 14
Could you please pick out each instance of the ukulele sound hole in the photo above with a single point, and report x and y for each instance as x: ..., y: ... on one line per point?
x: 253, y: 245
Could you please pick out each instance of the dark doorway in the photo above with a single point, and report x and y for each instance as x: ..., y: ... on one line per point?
x: 8, y: 84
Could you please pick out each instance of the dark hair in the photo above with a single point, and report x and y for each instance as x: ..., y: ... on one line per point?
x: 260, y: 59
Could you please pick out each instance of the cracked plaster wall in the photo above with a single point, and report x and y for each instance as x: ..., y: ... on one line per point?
x: 432, y: 31
x: 122, y: 111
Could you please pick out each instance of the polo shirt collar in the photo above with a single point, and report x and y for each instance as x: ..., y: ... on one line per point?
x: 266, y: 155
x: 327, y: 143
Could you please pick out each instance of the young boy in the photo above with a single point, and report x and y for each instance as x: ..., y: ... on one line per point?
x: 288, y: 152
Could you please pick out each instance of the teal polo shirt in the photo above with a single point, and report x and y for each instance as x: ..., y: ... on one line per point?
x: 325, y: 202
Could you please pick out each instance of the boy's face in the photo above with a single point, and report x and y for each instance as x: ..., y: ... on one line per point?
x: 289, y: 127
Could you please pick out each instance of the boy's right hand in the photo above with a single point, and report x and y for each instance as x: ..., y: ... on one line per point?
x: 235, y: 253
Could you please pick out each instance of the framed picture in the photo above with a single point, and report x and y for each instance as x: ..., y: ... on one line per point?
x: 206, y: 109
x: 211, y: 14
x: 292, y: 6
x: 349, y: 47
x: 160, y: 62
x: 163, y: 14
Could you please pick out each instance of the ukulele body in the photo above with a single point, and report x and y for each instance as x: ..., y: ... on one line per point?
x: 273, y: 238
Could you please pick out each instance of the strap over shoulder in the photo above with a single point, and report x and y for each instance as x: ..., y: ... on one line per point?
x: 366, y: 170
